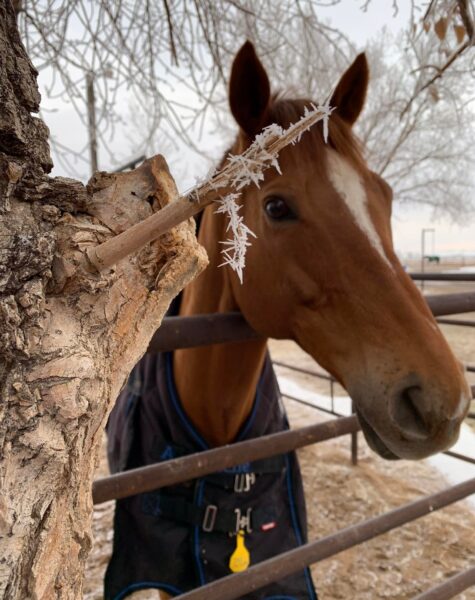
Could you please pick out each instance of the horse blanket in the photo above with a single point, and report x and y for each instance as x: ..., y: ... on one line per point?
x: 181, y: 537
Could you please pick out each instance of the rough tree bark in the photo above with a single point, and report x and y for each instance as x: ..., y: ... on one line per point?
x: 68, y: 336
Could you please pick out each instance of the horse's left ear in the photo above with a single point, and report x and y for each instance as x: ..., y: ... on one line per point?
x: 350, y: 93
x: 249, y: 91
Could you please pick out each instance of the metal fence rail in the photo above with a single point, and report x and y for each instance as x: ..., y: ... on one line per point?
x: 239, y: 584
x: 459, y: 322
x: 219, y: 328
x: 451, y: 304
x: 184, y: 332
x: 312, y: 372
x: 178, y: 470
x: 450, y: 588
x: 200, y: 330
x: 326, y: 376
x: 442, y: 276
x: 328, y: 411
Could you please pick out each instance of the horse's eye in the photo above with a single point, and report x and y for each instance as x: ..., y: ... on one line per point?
x: 277, y: 209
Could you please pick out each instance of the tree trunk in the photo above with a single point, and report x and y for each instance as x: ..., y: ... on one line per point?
x: 68, y: 335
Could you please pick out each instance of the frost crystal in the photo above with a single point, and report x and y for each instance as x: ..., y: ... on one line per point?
x: 234, y: 251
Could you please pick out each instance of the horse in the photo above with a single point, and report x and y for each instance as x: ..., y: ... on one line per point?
x: 323, y: 272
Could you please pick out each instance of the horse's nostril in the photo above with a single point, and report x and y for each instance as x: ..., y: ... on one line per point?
x: 407, y: 412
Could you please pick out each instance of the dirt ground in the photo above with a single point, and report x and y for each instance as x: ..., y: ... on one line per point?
x: 398, y: 565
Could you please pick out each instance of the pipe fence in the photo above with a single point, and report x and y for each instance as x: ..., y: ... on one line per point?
x: 218, y: 328
x: 451, y: 587
x: 443, y: 276
x: 186, y: 332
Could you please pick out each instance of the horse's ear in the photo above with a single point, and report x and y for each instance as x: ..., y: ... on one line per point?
x: 350, y: 93
x: 249, y: 91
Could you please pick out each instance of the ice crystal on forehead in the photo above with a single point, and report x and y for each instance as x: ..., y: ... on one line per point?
x: 248, y: 167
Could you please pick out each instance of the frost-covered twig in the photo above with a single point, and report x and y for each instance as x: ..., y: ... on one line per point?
x: 237, y: 173
x: 248, y: 167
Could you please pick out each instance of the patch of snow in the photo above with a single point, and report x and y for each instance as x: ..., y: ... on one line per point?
x: 341, y: 404
x: 455, y: 470
x: 466, y: 269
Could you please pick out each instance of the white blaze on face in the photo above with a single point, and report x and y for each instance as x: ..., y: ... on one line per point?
x: 349, y: 186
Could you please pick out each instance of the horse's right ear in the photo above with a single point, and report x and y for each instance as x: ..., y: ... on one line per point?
x: 350, y: 93
x: 249, y: 91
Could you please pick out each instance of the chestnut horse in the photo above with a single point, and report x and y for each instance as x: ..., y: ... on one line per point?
x: 323, y: 272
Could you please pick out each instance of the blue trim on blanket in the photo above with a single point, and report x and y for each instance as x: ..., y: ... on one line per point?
x: 190, y: 428
x: 196, y: 535
x: 250, y: 420
x: 141, y: 585
x: 177, y: 404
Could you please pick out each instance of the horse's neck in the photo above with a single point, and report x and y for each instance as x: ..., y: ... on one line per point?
x: 216, y: 384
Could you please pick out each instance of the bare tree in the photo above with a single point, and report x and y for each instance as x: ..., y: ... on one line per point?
x: 421, y: 141
x: 452, y: 22
x: 158, y: 54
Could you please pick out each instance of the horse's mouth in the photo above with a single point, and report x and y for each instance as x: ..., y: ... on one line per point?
x: 374, y: 441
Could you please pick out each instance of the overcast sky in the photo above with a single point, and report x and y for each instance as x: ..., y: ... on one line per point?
x: 186, y: 166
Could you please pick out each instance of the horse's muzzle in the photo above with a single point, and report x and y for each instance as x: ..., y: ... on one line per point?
x: 412, y: 420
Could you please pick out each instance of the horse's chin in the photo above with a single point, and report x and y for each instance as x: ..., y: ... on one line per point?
x: 374, y: 441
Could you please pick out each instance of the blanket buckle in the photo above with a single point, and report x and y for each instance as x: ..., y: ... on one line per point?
x: 243, y: 522
x: 209, y: 518
x: 243, y: 482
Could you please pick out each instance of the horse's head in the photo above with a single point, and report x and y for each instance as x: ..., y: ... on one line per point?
x: 323, y: 271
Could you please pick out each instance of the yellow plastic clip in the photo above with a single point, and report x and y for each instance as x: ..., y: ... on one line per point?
x: 240, y: 558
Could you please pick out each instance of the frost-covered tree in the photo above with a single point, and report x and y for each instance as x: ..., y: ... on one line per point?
x: 421, y: 142
x: 169, y: 60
